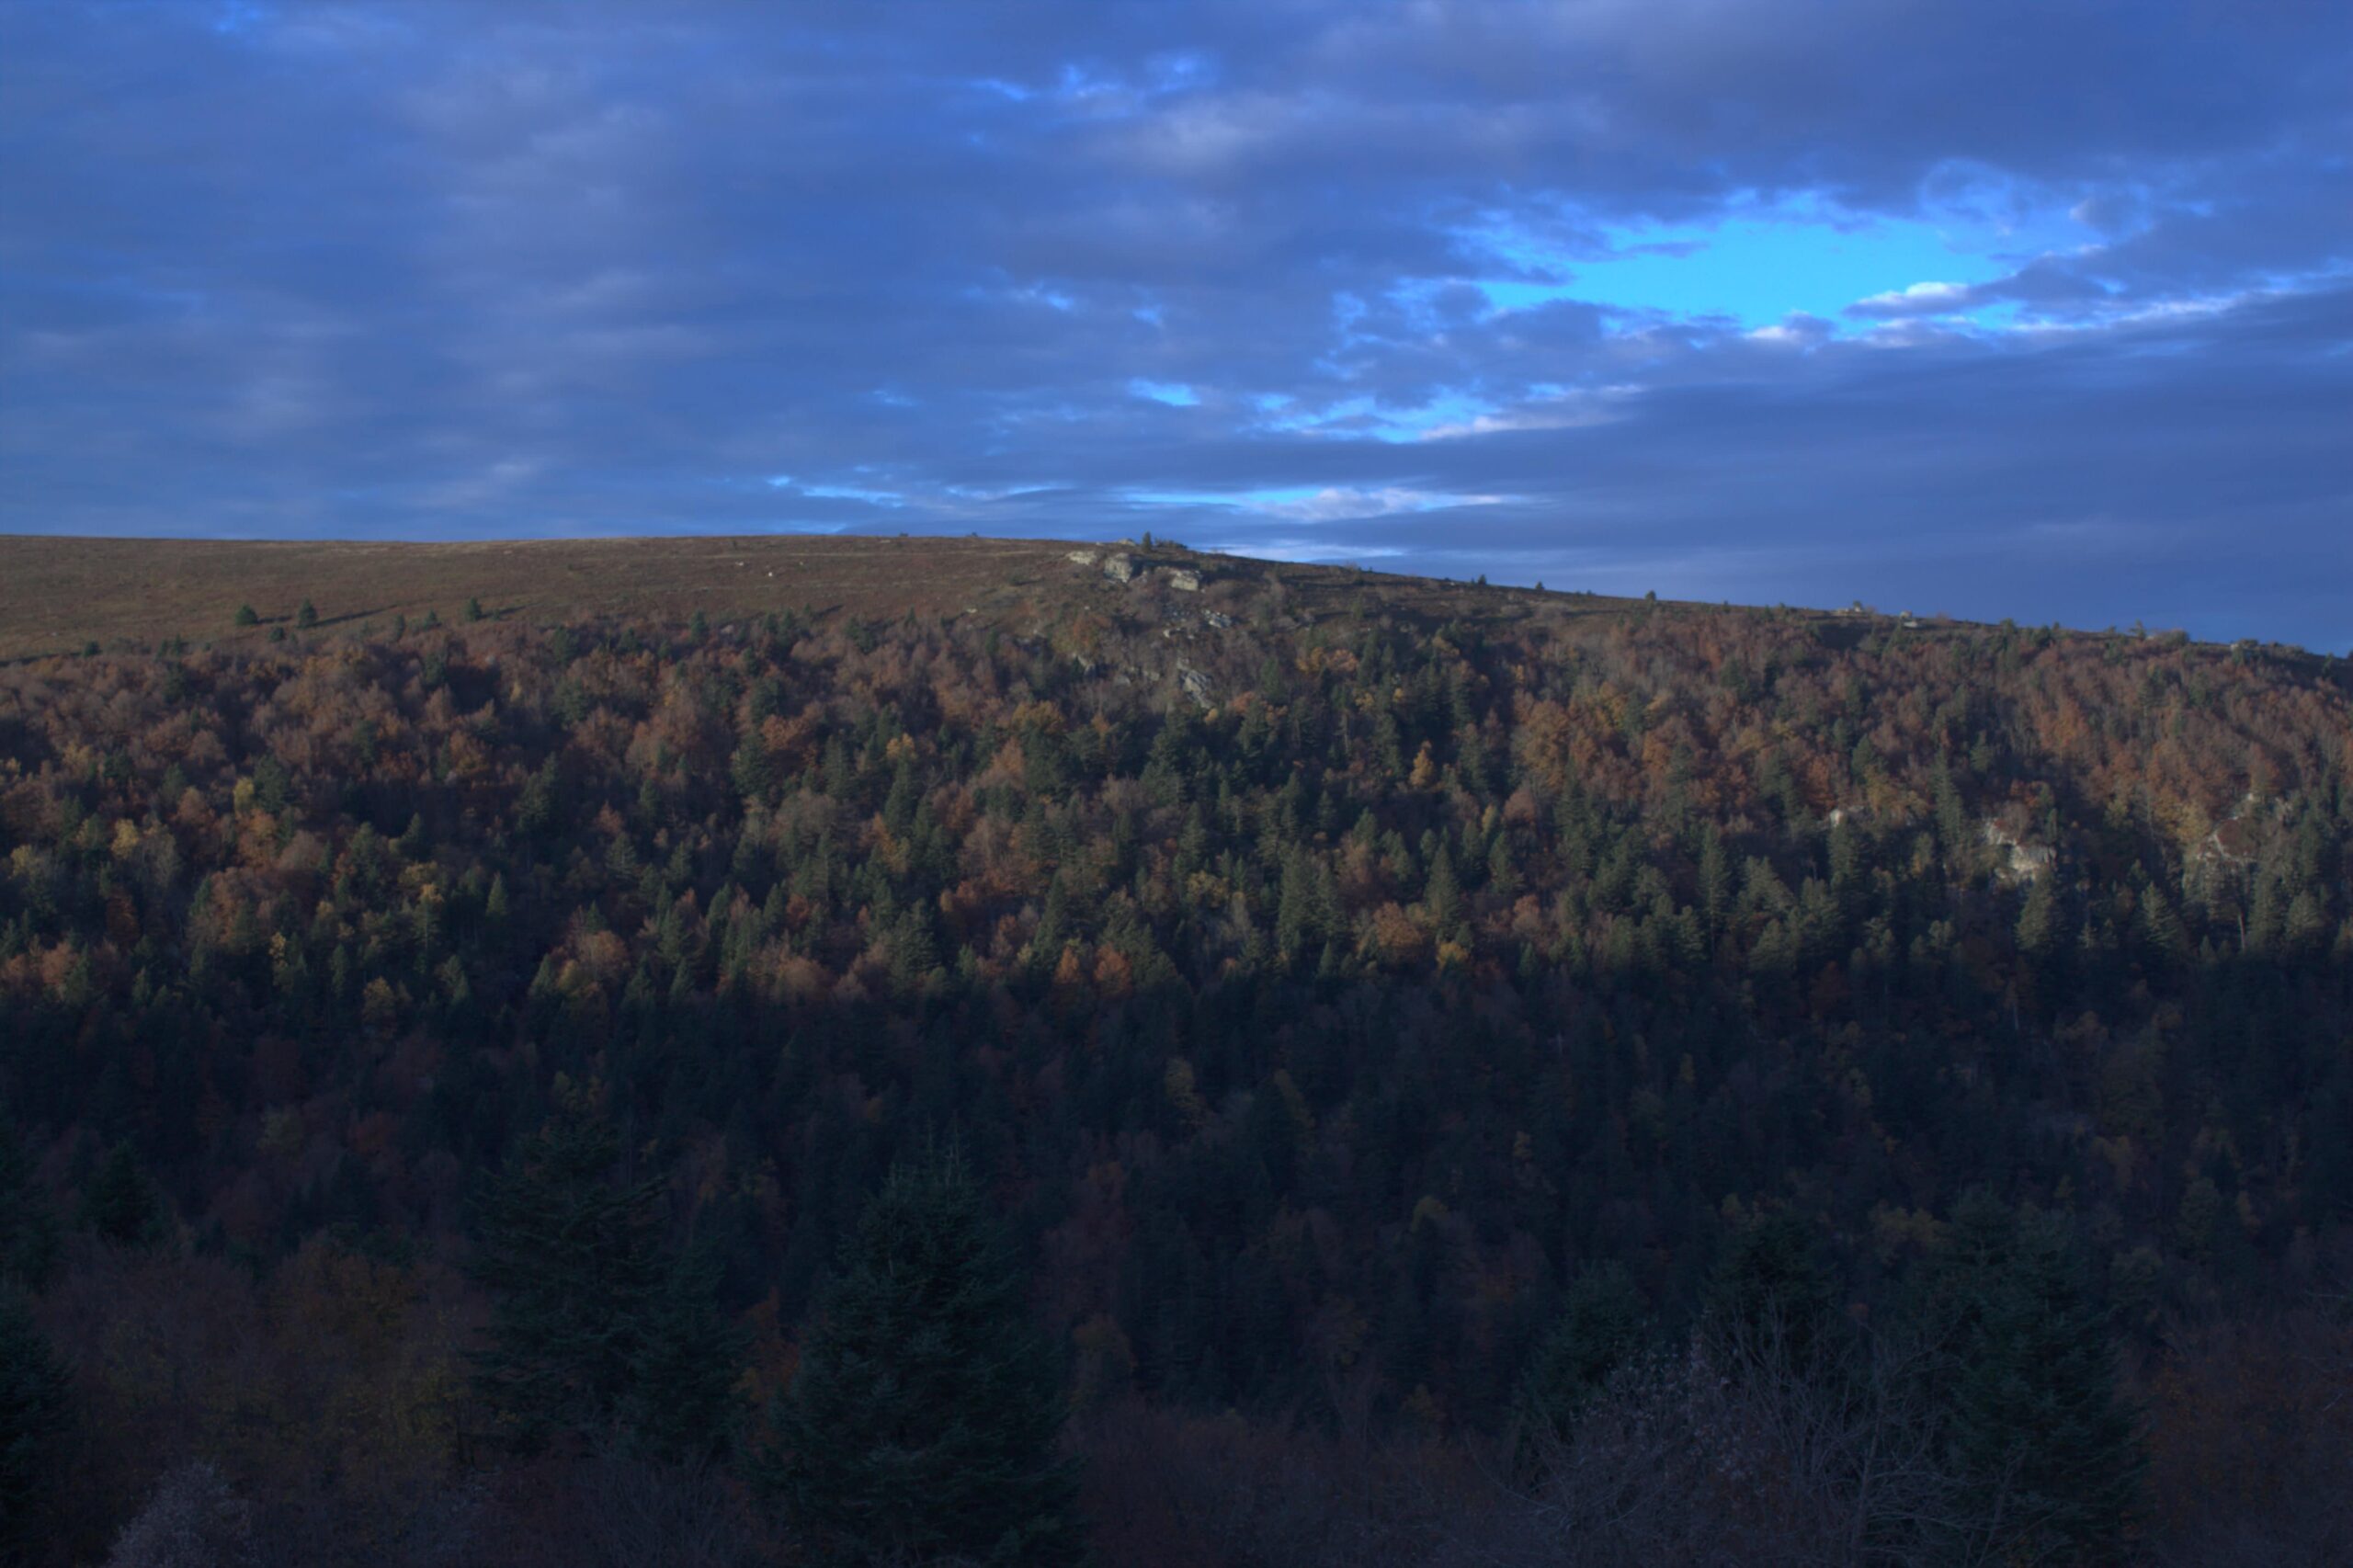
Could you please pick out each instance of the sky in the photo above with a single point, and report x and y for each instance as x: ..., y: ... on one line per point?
x: 1988, y: 307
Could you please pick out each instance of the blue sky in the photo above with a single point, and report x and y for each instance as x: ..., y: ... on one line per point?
x: 2040, y: 309
x: 1759, y: 261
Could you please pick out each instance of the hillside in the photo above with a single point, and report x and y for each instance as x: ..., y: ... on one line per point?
x: 1330, y: 976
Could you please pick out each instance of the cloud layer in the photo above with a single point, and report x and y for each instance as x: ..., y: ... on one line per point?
x: 2039, y: 310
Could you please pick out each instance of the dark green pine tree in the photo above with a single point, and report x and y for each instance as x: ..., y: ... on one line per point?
x: 121, y: 1204
x: 1045, y: 949
x: 1771, y: 1298
x: 2048, y: 1449
x: 681, y: 1404
x: 28, y: 1224
x: 923, y: 1421
x: 595, y: 1330
x: 1601, y: 1328
x: 32, y: 1419
x: 753, y: 775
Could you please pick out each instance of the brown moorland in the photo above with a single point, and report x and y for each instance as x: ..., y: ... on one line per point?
x: 63, y: 593
x: 59, y: 594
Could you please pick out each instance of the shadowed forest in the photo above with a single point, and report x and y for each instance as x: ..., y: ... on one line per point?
x: 1269, y: 1070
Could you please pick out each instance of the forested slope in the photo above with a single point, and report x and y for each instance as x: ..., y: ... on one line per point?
x: 1320, y: 974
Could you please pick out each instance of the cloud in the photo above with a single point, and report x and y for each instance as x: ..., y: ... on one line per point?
x: 1796, y: 330
x: 423, y: 267
x: 1337, y: 503
x: 1174, y: 394
x: 1919, y: 299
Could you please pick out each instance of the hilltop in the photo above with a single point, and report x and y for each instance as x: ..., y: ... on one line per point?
x: 62, y: 592
x: 59, y: 594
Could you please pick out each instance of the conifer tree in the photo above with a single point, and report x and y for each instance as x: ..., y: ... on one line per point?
x: 1443, y: 894
x: 33, y: 1418
x: 122, y: 1204
x: 2047, y: 1449
x: 922, y: 1423
x: 1053, y: 925
x: 2037, y: 926
x: 753, y: 774
x: 28, y: 1226
x: 307, y: 617
x: 681, y: 1402
x: 1772, y: 1296
x: 594, y: 1329
x: 1601, y: 1327
x: 1715, y: 878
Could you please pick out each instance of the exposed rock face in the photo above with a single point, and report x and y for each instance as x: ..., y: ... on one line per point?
x: 1184, y: 580
x: 1085, y: 556
x: 2230, y: 846
x: 1217, y: 619
x: 2236, y: 841
x: 1119, y: 568
x: 2027, y: 861
x: 1196, y: 686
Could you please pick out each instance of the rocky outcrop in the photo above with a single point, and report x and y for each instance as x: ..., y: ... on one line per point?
x: 1119, y: 568
x: 2023, y: 862
x: 2237, y: 840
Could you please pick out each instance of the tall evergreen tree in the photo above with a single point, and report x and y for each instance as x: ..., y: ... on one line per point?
x: 753, y: 774
x: 681, y: 1401
x: 2048, y: 1449
x: 1601, y: 1328
x: 27, y: 1225
x: 33, y: 1418
x: 922, y: 1423
x: 121, y: 1203
x: 1772, y: 1296
x: 594, y: 1329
